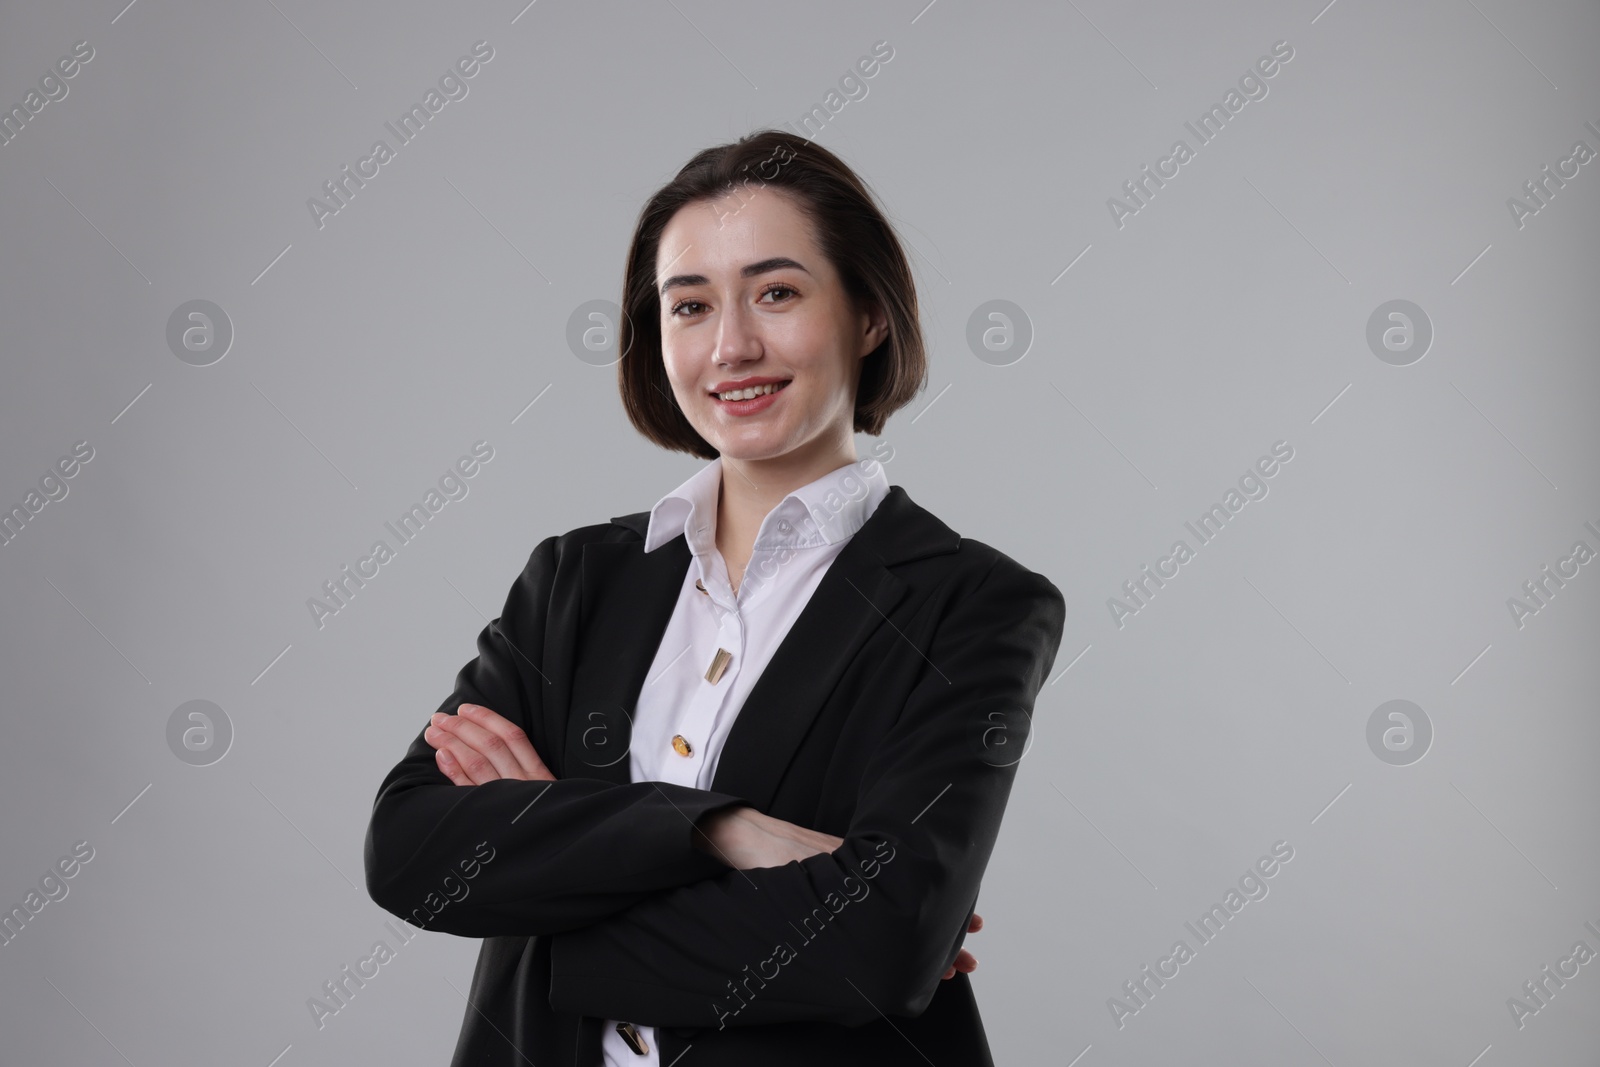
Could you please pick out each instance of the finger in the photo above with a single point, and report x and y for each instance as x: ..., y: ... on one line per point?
x: 450, y: 768
x: 515, y: 738
x: 490, y: 744
x: 474, y: 765
x: 976, y: 924
x: 965, y: 962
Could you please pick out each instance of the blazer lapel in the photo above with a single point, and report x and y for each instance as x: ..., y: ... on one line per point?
x: 630, y: 595
x: 853, y: 598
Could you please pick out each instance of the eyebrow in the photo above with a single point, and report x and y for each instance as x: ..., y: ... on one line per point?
x: 748, y: 271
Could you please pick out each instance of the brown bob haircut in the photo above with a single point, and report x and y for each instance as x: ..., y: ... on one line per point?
x: 851, y: 231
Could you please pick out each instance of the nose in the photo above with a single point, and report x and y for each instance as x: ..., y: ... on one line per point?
x: 738, y: 337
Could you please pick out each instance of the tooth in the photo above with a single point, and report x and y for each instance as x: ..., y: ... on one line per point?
x: 749, y: 393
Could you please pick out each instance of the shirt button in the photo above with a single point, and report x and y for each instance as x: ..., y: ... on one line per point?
x: 680, y: 745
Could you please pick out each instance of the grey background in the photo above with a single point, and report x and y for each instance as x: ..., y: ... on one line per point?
x: 1169, y: 754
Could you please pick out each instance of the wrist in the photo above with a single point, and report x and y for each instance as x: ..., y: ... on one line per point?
x: 714, y: 830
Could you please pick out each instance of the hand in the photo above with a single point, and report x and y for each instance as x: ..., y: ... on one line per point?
x: 479, y: 745
x: 745, y: 839
x: 966, y: 962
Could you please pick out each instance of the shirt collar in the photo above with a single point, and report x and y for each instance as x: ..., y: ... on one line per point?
x: 824, y: 512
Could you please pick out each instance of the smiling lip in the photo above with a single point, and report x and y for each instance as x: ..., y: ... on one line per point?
x: 744, y: 383
x: 754, y: 404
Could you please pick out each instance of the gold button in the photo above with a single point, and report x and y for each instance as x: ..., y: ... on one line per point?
x: 635, y: 1040
x: 680, y: 745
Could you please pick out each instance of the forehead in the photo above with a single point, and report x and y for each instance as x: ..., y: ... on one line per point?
x: 718, y: 237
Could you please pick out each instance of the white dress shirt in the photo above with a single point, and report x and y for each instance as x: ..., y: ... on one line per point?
x: 797, y: 541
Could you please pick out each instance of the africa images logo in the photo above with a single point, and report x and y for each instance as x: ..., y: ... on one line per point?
x: 453, y: 86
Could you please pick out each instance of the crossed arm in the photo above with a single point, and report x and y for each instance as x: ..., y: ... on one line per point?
x: 479, y: 745
x: 645, y: 928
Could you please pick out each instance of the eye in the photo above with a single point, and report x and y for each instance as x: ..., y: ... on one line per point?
x: 768, y: 291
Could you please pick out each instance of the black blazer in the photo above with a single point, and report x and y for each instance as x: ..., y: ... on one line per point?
x: 892, y: 715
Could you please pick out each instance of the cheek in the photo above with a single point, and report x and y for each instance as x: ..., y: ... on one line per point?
x: 673, y: 364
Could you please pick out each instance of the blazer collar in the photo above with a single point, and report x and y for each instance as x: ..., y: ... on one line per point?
x: 629, y: 595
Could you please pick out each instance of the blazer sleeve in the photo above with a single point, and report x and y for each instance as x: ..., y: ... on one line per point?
x: 870, y: 928
x: 560, y: 854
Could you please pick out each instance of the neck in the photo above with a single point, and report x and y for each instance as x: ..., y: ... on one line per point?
x: 752, y: 488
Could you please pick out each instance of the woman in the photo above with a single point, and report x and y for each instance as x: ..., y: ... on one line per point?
x: 721, y: 783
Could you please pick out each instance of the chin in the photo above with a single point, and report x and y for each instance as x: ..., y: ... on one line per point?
x: 749, y: 451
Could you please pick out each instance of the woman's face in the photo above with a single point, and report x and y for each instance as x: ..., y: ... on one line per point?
x: 747, y: 296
